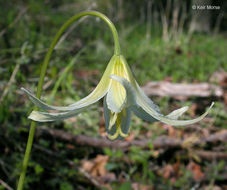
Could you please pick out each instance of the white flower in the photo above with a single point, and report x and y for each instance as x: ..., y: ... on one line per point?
x: 122, y: 96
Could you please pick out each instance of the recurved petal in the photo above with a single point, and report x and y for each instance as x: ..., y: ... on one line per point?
x: 142, y: 96
x: 143, y: 101
x: 170, y: 121
x: 46, y: 117
x: 139, y: 112
x: 98, y: 93
x: 39, y: 103
x: 150, y: 108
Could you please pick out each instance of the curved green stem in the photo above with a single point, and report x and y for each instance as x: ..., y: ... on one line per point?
x: 43, y: 73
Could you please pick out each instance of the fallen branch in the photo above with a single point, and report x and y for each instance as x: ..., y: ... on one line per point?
x: 210, y: 155
x: 160, y: 142
x: 182, y: 90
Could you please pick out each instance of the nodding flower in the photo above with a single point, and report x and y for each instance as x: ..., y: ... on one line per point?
x: 122, y: 96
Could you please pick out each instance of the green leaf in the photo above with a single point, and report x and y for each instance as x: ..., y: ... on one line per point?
x: 125, y: 186
x: 38, y: 169
x: 66, y: 186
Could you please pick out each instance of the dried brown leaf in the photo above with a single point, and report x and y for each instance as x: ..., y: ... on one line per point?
x: 196, y: 170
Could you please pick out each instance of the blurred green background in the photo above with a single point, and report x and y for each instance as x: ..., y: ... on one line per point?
x: 162, y: 41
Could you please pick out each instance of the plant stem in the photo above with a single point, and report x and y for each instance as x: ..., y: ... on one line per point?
x: 43, y: 73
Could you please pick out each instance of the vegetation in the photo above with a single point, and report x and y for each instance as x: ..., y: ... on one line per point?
x: 26, y: 31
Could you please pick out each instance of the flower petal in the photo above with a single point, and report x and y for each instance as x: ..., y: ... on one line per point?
x: 46, y: 117
x: 143, y: 101
x: 139, y: 112
x: 177, y: 113
x: 109, y: 122
x: 39, y: 103
x: 96, y: 95
x: 131, y: 98
x: 170, y: 120
x: 125, y: 122
x: 134, y: 84
x: 107, y: 115
x: 117, y: 127
x: 174, y: 122
x: 116, y: 96
x: 141, y: 95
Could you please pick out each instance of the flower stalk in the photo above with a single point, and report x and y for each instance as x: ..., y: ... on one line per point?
x: 43, y: 73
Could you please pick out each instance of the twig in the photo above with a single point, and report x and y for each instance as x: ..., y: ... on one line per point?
x: 210, y: 155
x: 213, y: 139
x: 4, y: 168
x: 47, y: 151
x: 49, y: 83
x: 87, y: 175
x: 11, y: 80
x: 160, y: 142
x: 4, y: 184
x: 20, y: 14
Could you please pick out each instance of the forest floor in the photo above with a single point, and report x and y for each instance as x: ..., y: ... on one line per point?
x: 75, y: 153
